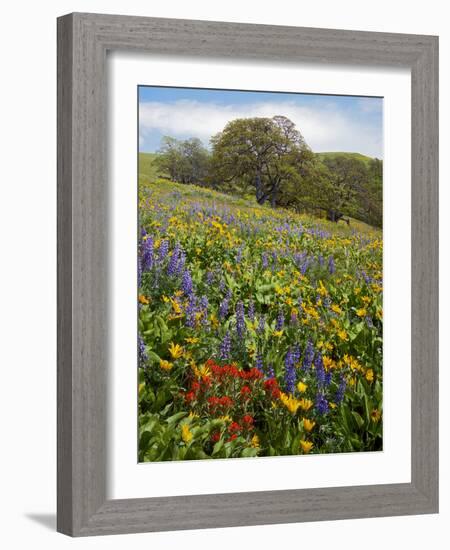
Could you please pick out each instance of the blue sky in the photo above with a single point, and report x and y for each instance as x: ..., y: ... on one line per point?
x: 327, y: 122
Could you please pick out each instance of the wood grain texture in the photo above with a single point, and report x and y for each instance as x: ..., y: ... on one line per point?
x: 83, y: 206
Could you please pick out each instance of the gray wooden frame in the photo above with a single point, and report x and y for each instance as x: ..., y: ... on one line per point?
x: 83, y: 41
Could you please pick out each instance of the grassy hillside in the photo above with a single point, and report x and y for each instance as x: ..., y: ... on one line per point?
x: 260, y: 330
x: 149, y: 177
x: 334, y: 154
x: 147, y: 169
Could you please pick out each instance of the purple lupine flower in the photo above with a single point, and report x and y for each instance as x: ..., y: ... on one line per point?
x: 369, y: 321
x: 163, y: 250
x: 366, y: 278
x: 143, y: 358
x: 270, y: 371
x: 239, y: 254
x: 251, y: 310
x: 225, y: 347
x: 240, y: 319
x: 181, y: 263
x: 259, y: 362
x: 290, y: 373
x: 173, y: 262
x: 147, y: 253
x: 327, y: 378
x: 321, y: 260
x: 320, y: 370
x: 191, y: 310
x: 261, y: 324
x: 223, y: 307
x: 331, y: 265
x: 186, y: 283
x: 296, y: 352
x: 294, y: 318
x: 341, y: 390
x: 280, y: 321
x: 203, y: 306
x: 321, y: 403
x: 139, y: 271
x: 209, y: 277
x: 222, y: 285
x: 264, y: 261
x: 308, y: 356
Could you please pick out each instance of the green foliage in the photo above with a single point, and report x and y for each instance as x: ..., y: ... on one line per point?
x: 186, y: 161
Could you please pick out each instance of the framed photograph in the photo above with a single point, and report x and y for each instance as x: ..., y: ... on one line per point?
x: 247, y: 274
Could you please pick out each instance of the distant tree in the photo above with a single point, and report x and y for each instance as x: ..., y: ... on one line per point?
x: 347, y: 178
x: 186, y: 161
x: 372, y: 198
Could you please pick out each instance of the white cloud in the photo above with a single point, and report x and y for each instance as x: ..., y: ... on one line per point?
x: 325, y: 128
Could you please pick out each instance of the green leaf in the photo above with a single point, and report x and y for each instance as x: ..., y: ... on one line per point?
x: 217, y: 447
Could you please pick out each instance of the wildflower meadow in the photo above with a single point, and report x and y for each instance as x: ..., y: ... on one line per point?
x: 260, y: 328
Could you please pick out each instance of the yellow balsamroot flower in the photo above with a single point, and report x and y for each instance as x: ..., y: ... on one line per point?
x: 186, y: 434
x: 279, y: 290
x: 322, y: 290
x: 305, y: 404
x: 193, y: 340
x: 336, y: 309
x: 375, y: 415
x: 343, y: 335
x: 193, y: 415
x: 308, y: 424
x: 176, y: 306
x: 306, y: 445
x: 332, y: 405
x: 366, y: 299
x: 362, y: 312
x: 175, y: 350
x: 214, y: 320
x: 352, y: 362
x: 203, y: 371
x: 143, y: 299
x: 302, y: 387
x: 328, y: 363
x: 165, y: 365
x: 278, y: 333
x: 369, y: 375
x: 225, y: 418
x: 255, y: 441
x: 165, y: 299
x: 290, y: 402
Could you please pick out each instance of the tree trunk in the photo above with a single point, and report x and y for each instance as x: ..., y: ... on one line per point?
x: 260, y: 198
x: 273, y: 198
